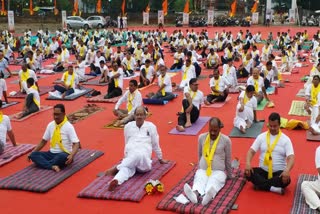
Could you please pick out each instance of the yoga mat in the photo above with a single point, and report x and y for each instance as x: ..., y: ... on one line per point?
x: 252, y: 132
x: 311, y: 137
x: 154, y: 101
x: 87, y: 78
x: 43, y: 90
x: 299, y: 203
x: 270, y: 90
x: 13, y: 117
x: 100, y: 99
x: 72, y: 96
x: 13, y: 152
x: 297, y: 108
x: 194, y: 129
x: 35, y: 179
x: 6, y: 105
x: 222, y: 203
x: 262, y: 105
x: 175, y: 70
x: 83, y: 113
x: 216, y: 104
x: 94, y: 82
x: 131, y: 190
x: 301, y: 93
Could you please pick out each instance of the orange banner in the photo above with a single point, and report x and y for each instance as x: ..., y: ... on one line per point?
x: 233, y: 8
x: 186, y: 7
x: 56, y: 11
x: 165, y: 7
x: 31, y: 8
x: 75, y: 7
x: 147, y: 10
x: 254, y: 7
x: 99, y: 6
x: 123, y: 7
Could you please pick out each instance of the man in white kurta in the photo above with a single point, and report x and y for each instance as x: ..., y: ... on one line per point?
x: 246, y: 109
x: 188, y: 72
x: 257, y: 81
x: 219, y: 86
x: 213, y: 169
x: 230, y: 73
x: 141, y: 138
x: 133, y: 99
x: 5, y: 128
x: 312, y: 104
x: 25, y: 74
x: 311, y: 189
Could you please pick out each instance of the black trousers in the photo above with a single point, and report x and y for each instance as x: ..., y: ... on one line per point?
x: 218, y: 98
x: 113, y: 91
x: 242, y: 73
x: 259, y: 178
x: 31, y: 106
x: 177, y: 65
x: 144, y: 74
x: 194, y: 114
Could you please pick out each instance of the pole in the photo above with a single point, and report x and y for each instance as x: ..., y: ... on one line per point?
x: 8, y: 5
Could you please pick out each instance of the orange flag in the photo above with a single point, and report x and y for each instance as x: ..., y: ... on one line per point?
x: 31, y: 8
x: 165, y: 7
x: 147, y: 10
x: 186, y: 7
x: 123, y: 6
x: 254, y: 7
x: 233, y: 8
x: 56, y: 11
x: 99, y: 6
x: 75, y: 7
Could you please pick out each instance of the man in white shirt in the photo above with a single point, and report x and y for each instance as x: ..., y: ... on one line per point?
x: 133, y: 99
x: 141, y: 137
x: 147, y: 74
x: 219, y: 86
x: 3, y: 88
x: 4, y: 64
x: 165, y: 87
x: 311, y: 189
x: 69, y: 82
x: 245, y: 69
x: 5, y: 128
x: 312, y: 94
x: 246, y: 109
x: 25, y: 74
x: 276, y: 159
x: 178, y: 59
x: 257, y: 81
x: 64, y: 143
x: 230, y: 73
x: 191, y: 104
x: 115, y: 82
x: 32, y: 101
x: 188, y: 72
x: 129, y: 64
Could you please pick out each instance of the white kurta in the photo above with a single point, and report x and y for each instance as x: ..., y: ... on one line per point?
x: 247, y: 115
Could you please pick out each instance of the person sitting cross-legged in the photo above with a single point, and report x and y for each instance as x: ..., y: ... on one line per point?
x: 69, y: 82
x: 64, y: 143
x: 32, y: 101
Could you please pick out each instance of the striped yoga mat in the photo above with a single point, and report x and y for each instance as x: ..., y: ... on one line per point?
x: 299, y: 204
x: 15, y: 117
x: 131, y: 190
x: 297, y: 108
x: 35, y: 179
x: 83, y: 113
x: 222, y: 203
x: 12, y: 152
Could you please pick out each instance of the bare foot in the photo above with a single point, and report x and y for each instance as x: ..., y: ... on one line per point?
x: 56, y: 168
x: 180, y: 128
x: 112, y: 185
x: 117, y: 123
x: 242, y: 130
x: 111, y: 172
x: 187, y: 125
x: 313, y: 132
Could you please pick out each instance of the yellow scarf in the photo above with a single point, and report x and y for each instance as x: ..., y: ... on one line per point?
x: 66, y: 77
x: 284, y: 59
x: 178, y: 56
x: 209, y: 153
x: 25, y: 75
x: 256, y: 85
x: 228, y: 70
x: 245, y: 62
x: 129, y: 64
x: 314, y: 94
x: 185, y: 73
x: 229, y: 54
x: 34, y: 99
x: 108, y: 52
x: 266, y: 50
x: 82, y: 49
x: 34, y: 87
x: 163, y: 92
x: 216, y: 86
x: 56, y: 137
x: 147, y: 71
x: 268, y: 156
x: 194, y: 93
x: 130, y: 99
x: 116, y: 80
x: 209, y: 60
x: 245, y: 98
x: 1, y: 116
x: 59, y: 58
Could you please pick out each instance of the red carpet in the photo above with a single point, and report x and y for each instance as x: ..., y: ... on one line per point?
x: 181, y: 149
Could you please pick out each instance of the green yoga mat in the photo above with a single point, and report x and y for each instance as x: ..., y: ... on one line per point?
x: 252, y: 132
x: 262, y: 105
x: 297, y: 108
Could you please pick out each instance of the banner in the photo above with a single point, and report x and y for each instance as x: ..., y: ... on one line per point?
x: 185, y: 19
x: 210, y: 17
x: 165, y: 7
x: 255, y: 18
x: 160, y: 17
x: 11, y: 21
x: 145, y: 18
x: 292, y: 16
x: 64, y: 19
